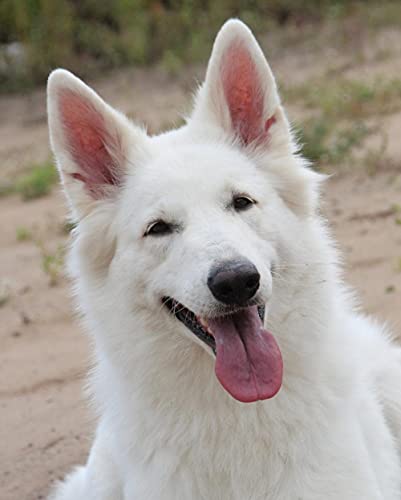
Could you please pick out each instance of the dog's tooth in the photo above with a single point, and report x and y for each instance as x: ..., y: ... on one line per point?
x: 205, y: 326
x: 203, y: 322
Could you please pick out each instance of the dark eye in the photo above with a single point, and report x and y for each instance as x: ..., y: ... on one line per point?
x: 242, y: 202
x: 158, y: 228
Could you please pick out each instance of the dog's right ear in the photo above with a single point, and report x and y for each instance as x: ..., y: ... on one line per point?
x: 89, y: 139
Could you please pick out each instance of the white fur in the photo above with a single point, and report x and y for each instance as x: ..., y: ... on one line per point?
x: 167, y: 429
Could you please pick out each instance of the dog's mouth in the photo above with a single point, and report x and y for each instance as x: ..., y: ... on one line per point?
x: 198, y: 326
x: 191, y: 321
x: 248, y: 359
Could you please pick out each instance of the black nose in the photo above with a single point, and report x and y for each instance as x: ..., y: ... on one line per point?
x: 234, y: 282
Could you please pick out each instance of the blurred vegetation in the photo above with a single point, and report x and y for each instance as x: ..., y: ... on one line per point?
x: 341, y: 109
x: 23, y: 234
x: 324, y: 144
x: 52, y: 262
x: 90, y: 35
x: 341, y: 98
x: 36, y: 183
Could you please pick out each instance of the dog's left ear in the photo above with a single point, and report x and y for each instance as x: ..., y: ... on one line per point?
x: 239, y: 93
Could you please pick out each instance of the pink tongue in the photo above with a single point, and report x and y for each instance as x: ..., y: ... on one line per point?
x: 248, y: 360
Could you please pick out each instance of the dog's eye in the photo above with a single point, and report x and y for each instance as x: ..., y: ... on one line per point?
x: 242, y: 202
x: 158, y: 228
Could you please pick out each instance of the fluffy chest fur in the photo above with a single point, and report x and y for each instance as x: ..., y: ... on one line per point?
x: 333, y: 441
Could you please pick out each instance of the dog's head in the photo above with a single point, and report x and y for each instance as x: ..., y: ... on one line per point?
x: 185, y: 230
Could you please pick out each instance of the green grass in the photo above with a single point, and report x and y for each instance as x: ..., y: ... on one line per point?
x: 89, y: 36
x: 348, y: 99
x: 37, y: 183
x: 326, y: 144
x: 339, y: 110
x: 52, y: 263
x: 23, y: 234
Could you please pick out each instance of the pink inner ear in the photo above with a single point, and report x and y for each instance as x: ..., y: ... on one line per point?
x: 87, y: 137
x: 243, y: 93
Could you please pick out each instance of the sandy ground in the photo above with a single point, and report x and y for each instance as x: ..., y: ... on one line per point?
x: 45, y: 426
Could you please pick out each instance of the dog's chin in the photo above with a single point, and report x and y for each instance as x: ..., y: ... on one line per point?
x: 199, y: 326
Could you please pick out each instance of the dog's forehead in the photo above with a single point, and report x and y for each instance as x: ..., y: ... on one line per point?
x: 182, y: 180
x: 194, y: 167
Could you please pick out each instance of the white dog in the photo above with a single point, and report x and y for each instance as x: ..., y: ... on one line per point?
x: 185, y: 241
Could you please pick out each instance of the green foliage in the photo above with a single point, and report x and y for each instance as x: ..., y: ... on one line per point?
x: 52, y: 263
x: 37, y: 183
x: 325, y: 143
x: 340, y: 108
x: 348, y: 99
x: 23, y: 234
x: 88, y: 35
